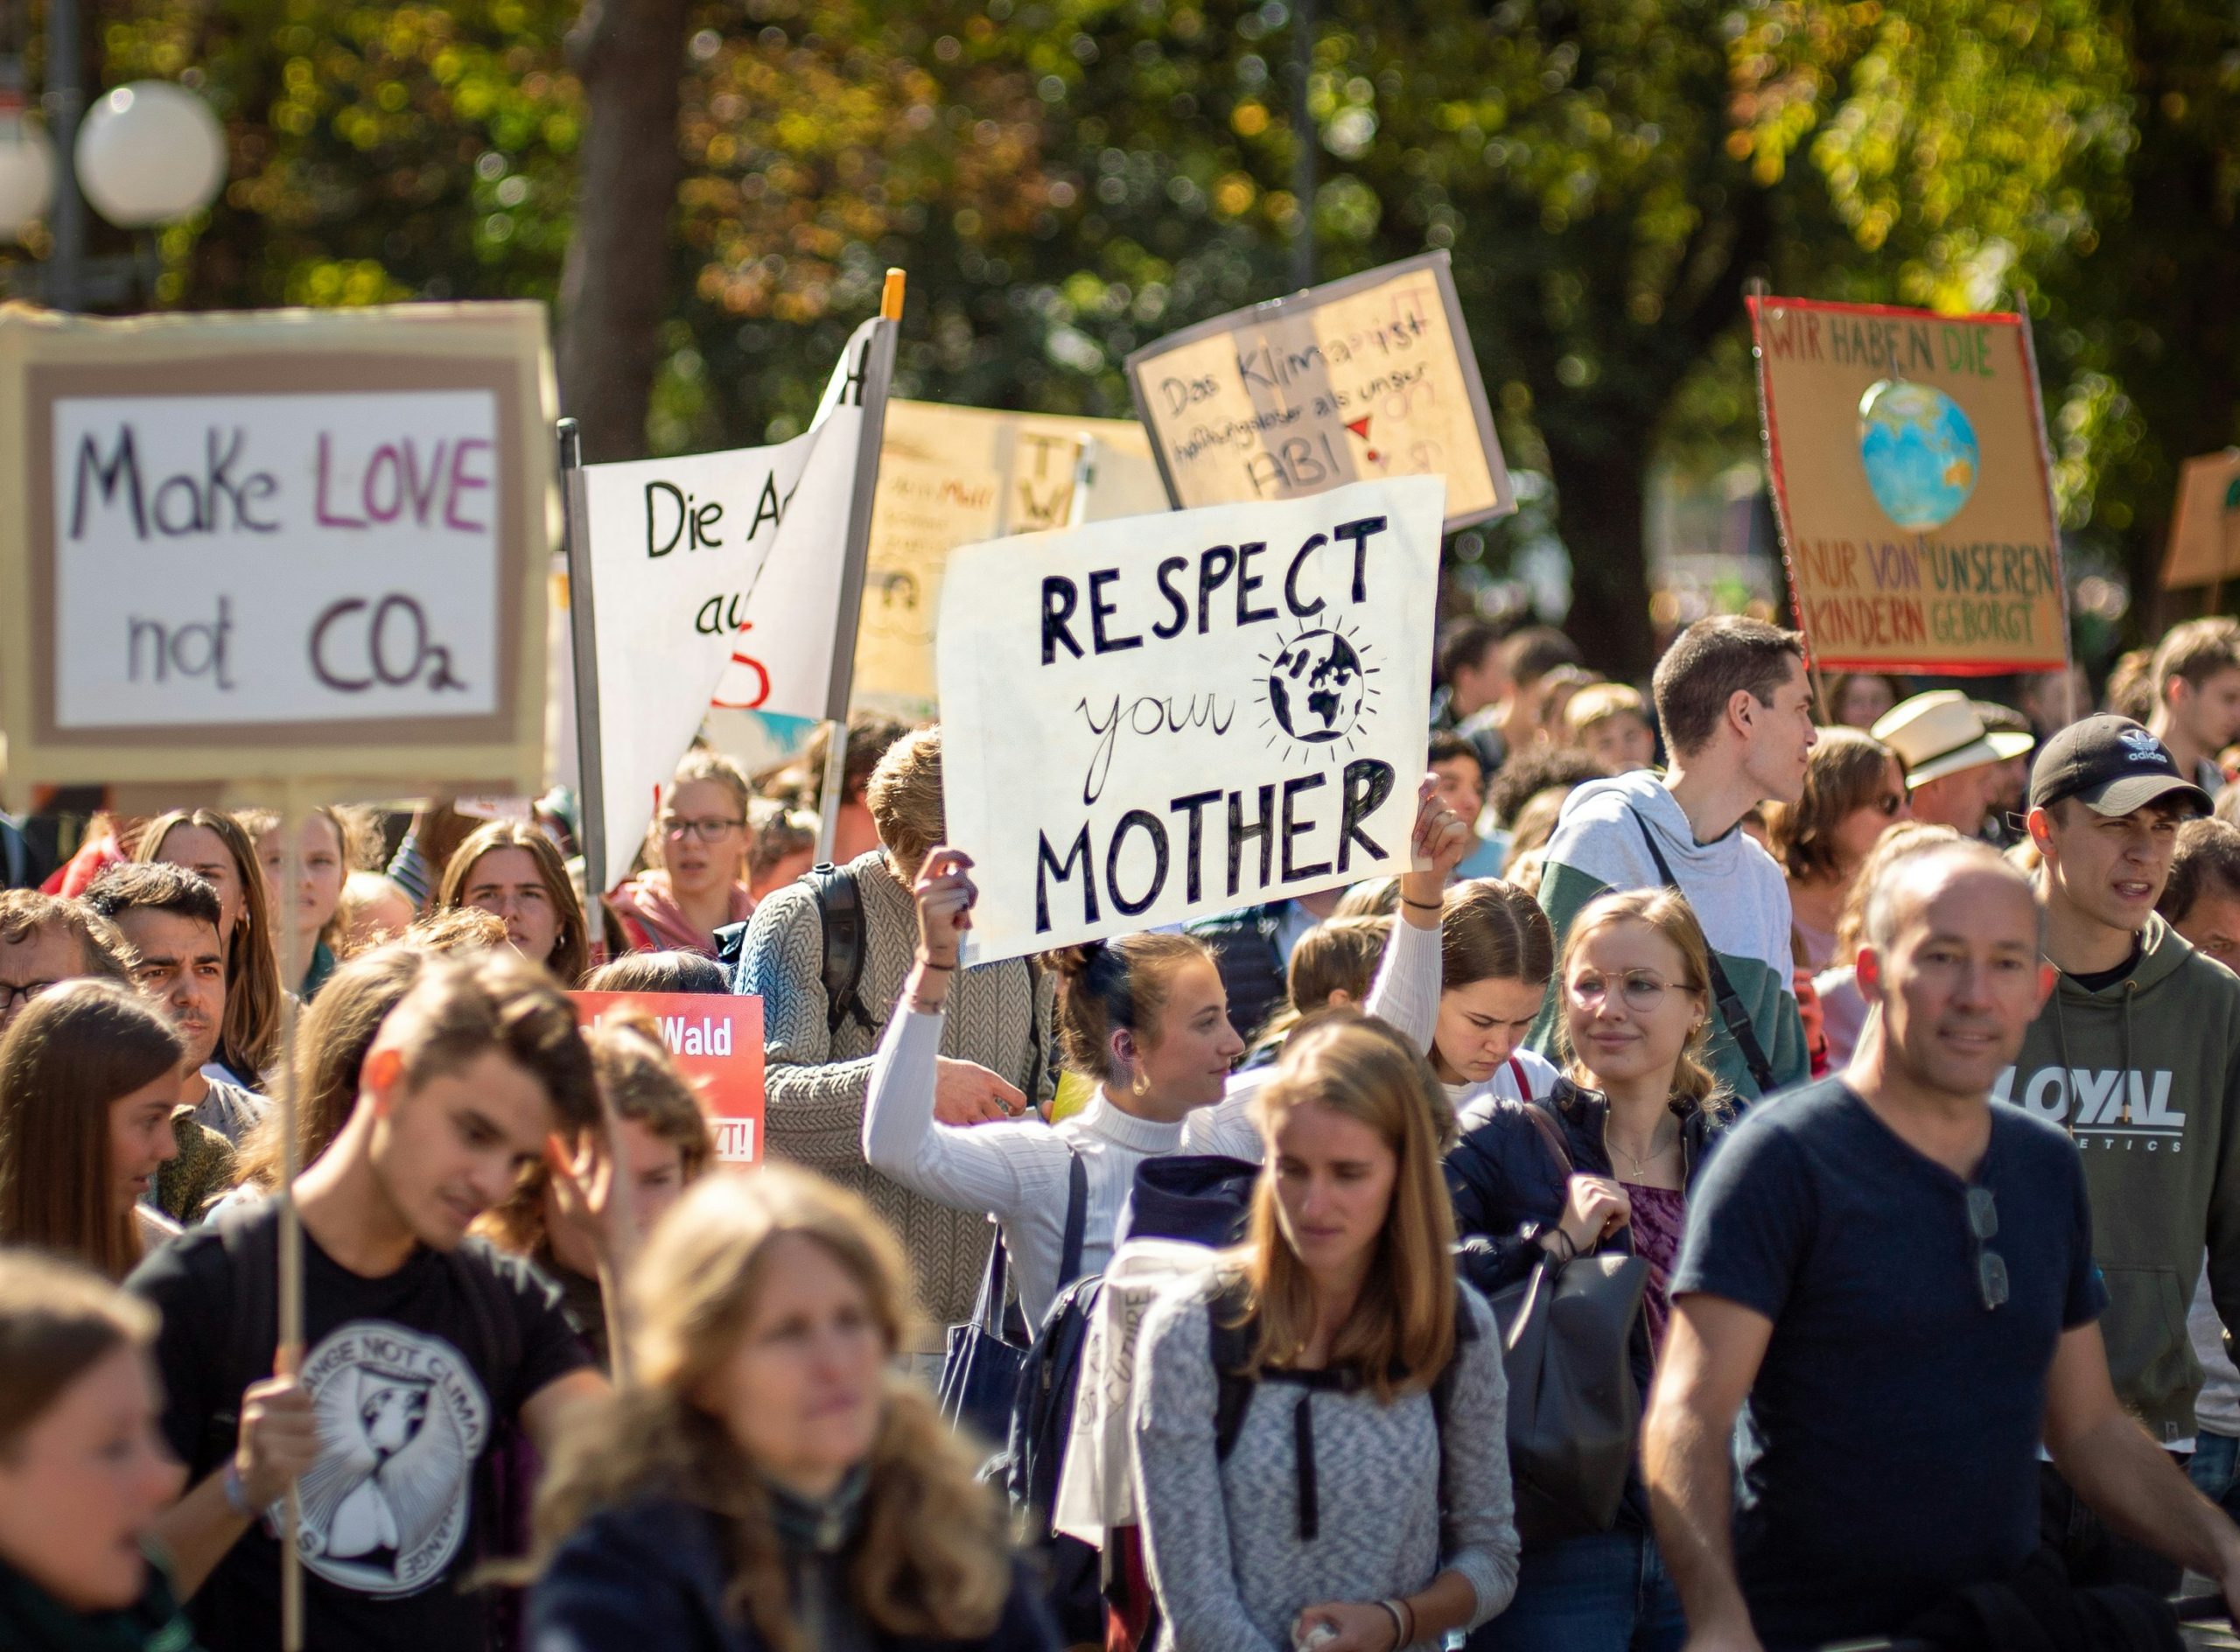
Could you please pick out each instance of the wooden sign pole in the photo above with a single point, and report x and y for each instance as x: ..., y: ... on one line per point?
x: 288, y: 1359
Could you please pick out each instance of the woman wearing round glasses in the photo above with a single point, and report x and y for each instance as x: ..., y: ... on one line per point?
x: 698, y: 850
x: 1635, y: 1111
x: 1854, y: 790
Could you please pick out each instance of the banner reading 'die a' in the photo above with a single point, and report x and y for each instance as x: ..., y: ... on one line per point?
x: 721, y: 579
x: 1908, y: 461
x: 1154, y: 718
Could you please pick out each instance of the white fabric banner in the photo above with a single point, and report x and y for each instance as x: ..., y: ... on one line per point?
x: 717, y: 578
x: 1155, y: 718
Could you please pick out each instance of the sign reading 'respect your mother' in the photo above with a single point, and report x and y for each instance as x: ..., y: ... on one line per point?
x: 1908, y: 461
x: 1149, y: 719
x: 243, y: 547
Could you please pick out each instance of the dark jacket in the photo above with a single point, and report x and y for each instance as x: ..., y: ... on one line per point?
x: 652, y: 1574
x: 1508, y: 1189
x: 1251, y: 967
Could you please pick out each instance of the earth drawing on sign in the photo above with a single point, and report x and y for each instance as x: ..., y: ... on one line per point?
x: 1919, y: 453
x: 1316, y: 687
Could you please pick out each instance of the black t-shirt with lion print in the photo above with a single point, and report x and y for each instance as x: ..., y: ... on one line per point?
x: 413, y: 1378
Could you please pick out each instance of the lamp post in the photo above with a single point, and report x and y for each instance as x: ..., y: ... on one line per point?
x: 145, y: 154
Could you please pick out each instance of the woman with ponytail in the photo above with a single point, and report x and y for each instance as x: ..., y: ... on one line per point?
x: 1636, y: 1113
x: 1143, y: 1016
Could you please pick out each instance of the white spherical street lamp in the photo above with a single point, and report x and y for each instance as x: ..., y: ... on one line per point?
x: 151, y: 153
x: 26, y: 172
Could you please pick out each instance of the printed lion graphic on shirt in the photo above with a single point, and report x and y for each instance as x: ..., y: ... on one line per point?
x: 402, y: 1421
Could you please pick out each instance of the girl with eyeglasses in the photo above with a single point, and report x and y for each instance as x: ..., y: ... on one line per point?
x: 1637, y: 1111
x: 698, y: 883
x: 1854, y: 791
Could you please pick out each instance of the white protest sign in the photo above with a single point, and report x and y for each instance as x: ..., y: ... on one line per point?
x: 242, y: 548
x: 719, y: 579
x: 1151, y: 719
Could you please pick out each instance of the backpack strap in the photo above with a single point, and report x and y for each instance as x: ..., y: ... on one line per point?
x: 1520, y: 1078
x: 1069, y: 1251
x: 1229, y: 1332
x: 840, y: 911
x: 1731, y: 1008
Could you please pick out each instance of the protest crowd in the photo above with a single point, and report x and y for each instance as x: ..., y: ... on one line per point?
x: 1850, y: 1072
x: 1277, y: 1110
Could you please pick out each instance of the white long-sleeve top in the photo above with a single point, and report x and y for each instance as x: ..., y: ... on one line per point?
x: 1405, y: 998
x: 1017, y: 1171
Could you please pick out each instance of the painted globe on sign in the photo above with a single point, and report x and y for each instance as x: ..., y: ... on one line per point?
x: 1919, y: 453
x: 1316, y: 687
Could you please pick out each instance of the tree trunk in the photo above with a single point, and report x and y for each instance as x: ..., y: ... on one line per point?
x: 614, y: 290
x: 1600, y: 503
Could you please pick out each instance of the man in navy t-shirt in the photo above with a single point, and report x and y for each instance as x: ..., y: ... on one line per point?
x: 1897, y: 1277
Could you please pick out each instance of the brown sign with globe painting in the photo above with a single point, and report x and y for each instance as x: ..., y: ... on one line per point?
x: 1908, y: 461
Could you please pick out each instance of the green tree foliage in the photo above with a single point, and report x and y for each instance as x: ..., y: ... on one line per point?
x: 1065, y: 179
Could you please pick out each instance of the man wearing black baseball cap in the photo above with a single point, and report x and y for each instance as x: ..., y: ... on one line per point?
x: 2136, y: 1054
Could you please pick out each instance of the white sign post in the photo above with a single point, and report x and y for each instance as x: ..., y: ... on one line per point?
x: 1152, y: 719
x: 725, y: 579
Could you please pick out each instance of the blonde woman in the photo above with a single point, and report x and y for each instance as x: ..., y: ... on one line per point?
x: 1636, y: 1112
x: 698, y: 881
x: 770, y: 1482
x: 1319, y: 1423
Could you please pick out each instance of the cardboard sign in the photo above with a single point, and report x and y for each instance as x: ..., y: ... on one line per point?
x: 719, y: 577
x: 1907, y: 452
x: 1149, y: 720
x: 2205, y: 531
x: 716, y: 1039
x: 1371, y: 376
x: 950, y: 476
x: 247, y: 547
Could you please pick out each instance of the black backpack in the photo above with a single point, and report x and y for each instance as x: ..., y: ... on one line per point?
x: 840, y: 915
x: 1035, y: 1453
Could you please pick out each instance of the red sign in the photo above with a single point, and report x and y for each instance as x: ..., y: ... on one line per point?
x: 716, y: 1040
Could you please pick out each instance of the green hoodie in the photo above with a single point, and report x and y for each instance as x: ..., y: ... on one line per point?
x: 2153, y: 1067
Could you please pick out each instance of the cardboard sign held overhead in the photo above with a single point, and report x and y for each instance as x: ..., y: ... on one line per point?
x: 2205, y: 531
x: 716, y: 1041
x: 247, y: 547
x: 1371, y: 376
x: 951, y: 476
x: 1149, y: 720
x: 1907, y: 452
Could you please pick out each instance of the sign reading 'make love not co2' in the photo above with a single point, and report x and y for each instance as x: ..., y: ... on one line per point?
x: 251, y: 546
x: 1153, y: 719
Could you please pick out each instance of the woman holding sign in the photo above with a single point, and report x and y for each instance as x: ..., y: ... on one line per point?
x: 1144, y: 1016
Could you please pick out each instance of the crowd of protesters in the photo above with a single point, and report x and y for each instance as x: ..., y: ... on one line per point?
x: 1767, y: 1174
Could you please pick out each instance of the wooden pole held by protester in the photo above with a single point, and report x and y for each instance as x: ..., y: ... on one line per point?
x: 288, y: 1359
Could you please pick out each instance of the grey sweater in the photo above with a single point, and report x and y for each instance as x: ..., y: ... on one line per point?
x: 998, y: 1015
x: 1221, y: 1539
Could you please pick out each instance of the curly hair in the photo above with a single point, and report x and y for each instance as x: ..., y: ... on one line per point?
x: 932, y: 1557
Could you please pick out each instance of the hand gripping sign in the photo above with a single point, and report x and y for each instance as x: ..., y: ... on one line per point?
x: 1151, y: 719
x: 242, y: 547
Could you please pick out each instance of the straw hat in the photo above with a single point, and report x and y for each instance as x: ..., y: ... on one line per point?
x: 1938, y: 733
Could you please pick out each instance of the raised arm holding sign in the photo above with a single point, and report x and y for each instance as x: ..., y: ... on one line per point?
x: 1155, y: 718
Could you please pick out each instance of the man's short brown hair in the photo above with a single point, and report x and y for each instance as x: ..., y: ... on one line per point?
x: 466, y: 1004
x: 2207, y: 862
x: 1704, y: 667
x: 2196, y: 651
x: 904, y: 798
x: 25, y: 914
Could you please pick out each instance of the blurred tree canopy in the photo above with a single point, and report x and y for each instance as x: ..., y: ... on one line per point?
x: 1065, y: 180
